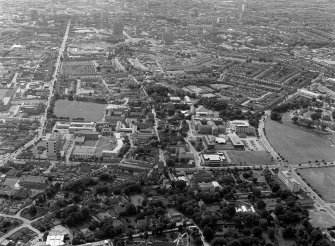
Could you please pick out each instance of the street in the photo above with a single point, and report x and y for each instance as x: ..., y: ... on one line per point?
x: 44, y: 117
x: 312, y: 194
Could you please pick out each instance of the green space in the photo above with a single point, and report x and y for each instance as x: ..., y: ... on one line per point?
x: 321, y: 219
x: 137, y: 199
x: 33, y: 212
x: 75, y: 109
x: 105, y: 143
x: 321, y: 179
x: 250, y: 158
x: 299, y: 144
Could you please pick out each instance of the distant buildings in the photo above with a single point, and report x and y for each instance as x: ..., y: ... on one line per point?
x: 34, y: 15
x: 6, y: 95
x: 118, y: 28
x: 168, y: 37
x: 308, y: 94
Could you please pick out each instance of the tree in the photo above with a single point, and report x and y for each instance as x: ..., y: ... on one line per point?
x: 289, y: 232
x: 227, y: 180
x: 230, y: 211
x: 261, y: 204
x: 256, y: 192
x: 271, y: 233
x: 69, y: 221
x: 170, y: 163
x: 76, y: 198
x: 263, y: 223
x: 295, y: 119
x: 208, y: 233
x: 275, y: 116
x: 180, y: 184
x: 218, y: 241
x: 33, y: 210
x: 316, y: 116
x: 99, y: 234
x: 131, y: 209
x: 257, y: 231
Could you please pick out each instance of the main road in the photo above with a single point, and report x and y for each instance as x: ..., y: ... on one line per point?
x: 51, y: 93
x: 264, y: 140
x: 313, y: 194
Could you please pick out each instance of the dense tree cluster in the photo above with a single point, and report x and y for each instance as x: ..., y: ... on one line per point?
x: 73, y: 215
x: 230, y: 112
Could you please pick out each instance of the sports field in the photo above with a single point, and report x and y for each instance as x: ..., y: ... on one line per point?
x: 321, y: 179
x: 73, y: 109
x: 298, y: 144
x: 250, y: 158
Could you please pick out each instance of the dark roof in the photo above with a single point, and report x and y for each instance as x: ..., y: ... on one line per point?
x: 160, y: 243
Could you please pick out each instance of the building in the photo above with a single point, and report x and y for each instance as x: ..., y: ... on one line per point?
x: 209, y: 142
x: 202, y: 176
x: 184, y: 154
x: 53, y: 145
x: 241, y: 126
x: 203, y: 112
x: 34, y: 15
x: 187, y: 100
x: 203, y: 129
x: 236, y: 141
x: 118, y: 28
x: 56, y: 237
x: 168, y: 37
x: 115, y: 152
x: 33, y: 182
x: 6, y: 95
x: 81, y: 126
x: 88, y: 135
x: 214, y: 160
x: 83, y: 152
x: 206, y: 186
x: 143, y: 136
x: 291, y: 183
x: 308, y: 94
x: 99, y: 243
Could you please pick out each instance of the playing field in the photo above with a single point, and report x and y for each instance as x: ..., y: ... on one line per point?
x: 298, y: 144
x: 251, y: 158
x: 73, y: 109
x: 321, y: 179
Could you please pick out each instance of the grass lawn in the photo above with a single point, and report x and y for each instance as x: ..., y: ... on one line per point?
x: 250, y: 157
x: 137, y: 199
x: 73, y: 109
x: 104, y: 143
x: 322, y: 179
x: 40, y: 212
x: 298, y: 144
x: 321, y: 219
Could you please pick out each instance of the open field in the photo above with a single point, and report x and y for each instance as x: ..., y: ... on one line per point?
x: 73, y: 109
x: 298, y: 144
x: 321, y: 219
x: 250, y: 157
x: 322, y: 179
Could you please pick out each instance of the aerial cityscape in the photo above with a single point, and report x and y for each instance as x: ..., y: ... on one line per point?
x: 167, y: 122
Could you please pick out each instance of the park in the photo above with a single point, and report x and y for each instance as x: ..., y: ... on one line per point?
x: 298, y: 144
x: 322, y: 179
x: 77, y: 109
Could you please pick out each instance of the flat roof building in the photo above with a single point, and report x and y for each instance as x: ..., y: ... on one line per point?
x: 53, y: 145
